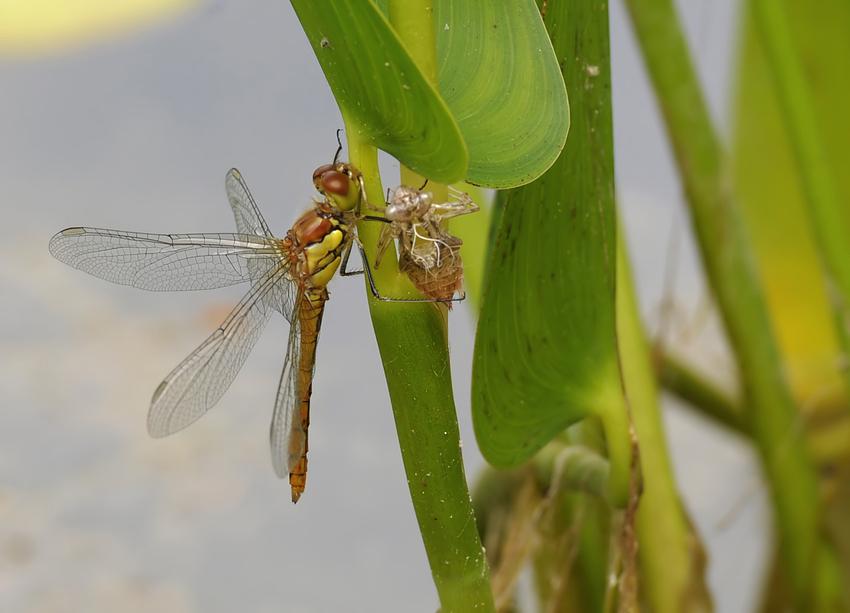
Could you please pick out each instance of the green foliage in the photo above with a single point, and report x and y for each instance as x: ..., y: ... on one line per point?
x: 502, y: 82
x: 379, y: 68
x: 502, y: 94
x: 790, y: 152
x: 384, y: 98
x: 546, y: 350
x: 462, y: 90
x: 761, y: 324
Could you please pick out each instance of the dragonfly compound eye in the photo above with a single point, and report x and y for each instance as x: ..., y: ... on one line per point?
x: 321, y: 170
x: 335, y: 183
x: 318, y: 174
x: 340, y: 188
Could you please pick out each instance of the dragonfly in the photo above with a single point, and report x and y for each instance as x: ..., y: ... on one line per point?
x: 428, y: 253
x: 288, y: 275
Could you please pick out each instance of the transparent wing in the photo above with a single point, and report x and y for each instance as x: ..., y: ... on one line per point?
x: 287, y: 436
x: 200, y: 380
x: 161, y: 262
x: 249, y: 220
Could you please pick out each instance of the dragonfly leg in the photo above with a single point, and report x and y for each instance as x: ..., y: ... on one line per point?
x: 343, y: 268
x: 343, y: 271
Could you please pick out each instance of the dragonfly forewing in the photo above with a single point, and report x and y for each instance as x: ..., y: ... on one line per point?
x: 163, y: 262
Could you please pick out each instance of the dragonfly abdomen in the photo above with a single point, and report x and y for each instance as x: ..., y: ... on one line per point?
x: 312, y: 308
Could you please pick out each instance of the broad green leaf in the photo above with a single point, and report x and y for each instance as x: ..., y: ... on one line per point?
x: 383, y: 96
x: 499, y: 76
x: 546, y: 351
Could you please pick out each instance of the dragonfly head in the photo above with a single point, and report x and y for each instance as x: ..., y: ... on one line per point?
x: 340, y: 184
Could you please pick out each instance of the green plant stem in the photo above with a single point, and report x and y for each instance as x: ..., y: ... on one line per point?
x: 572, y: 468
x: 731, y: 270
x: 593, y: 552
x: 414, y: 350
x: 826, y: 210
x: 670, y: 576
x: 699, y: 393
x: 827, y: 443
x: 613, y: 412
x: 412, y: 342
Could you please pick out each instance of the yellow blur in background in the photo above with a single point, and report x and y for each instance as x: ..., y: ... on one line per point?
x: 31, y: 28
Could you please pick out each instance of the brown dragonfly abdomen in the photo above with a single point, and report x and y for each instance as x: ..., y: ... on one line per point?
x: 312, y: 308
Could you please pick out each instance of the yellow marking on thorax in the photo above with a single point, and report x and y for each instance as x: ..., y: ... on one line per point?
x: 323, y: 258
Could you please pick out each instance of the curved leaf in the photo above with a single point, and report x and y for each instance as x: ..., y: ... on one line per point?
x: 499, y: 76
x: 383, y: 96
x: 546, y: 351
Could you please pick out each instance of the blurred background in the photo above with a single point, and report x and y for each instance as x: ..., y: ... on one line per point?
x: 135, y: 129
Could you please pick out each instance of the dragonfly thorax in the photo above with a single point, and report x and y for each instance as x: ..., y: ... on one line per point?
x: 318, y: 239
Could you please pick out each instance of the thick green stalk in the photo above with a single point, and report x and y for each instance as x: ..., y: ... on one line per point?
x: 825, y: 208
x: 413, y: 21
x: 671, y: 575
x: 414, y: 350
x: 731, y: 270
x: 412, y: 342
